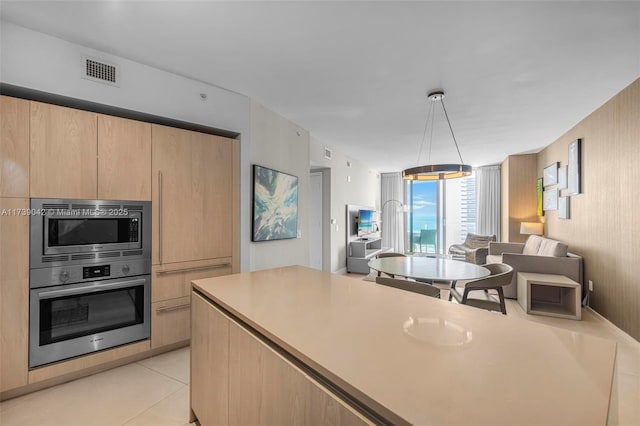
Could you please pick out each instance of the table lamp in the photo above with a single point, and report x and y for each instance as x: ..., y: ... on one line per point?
x: 531, y: 228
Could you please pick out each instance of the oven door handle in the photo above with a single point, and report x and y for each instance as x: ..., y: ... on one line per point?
x: 90, y: 288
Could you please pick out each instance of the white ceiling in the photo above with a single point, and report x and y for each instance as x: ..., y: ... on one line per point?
x: 517, y: 75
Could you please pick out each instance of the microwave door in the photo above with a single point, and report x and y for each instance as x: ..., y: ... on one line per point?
x: 64, y: 234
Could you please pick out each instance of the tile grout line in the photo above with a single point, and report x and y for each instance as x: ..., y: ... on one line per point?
x: 153, y: 405
x: 162, y: 374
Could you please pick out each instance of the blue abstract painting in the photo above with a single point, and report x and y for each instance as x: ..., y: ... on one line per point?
x: 275, y: 204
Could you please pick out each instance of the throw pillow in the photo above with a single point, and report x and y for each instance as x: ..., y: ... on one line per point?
x: 552, y: 248
x: 532, y: 245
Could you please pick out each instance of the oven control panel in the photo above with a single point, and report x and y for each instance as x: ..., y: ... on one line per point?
x: 71, y: 274
x: 96, y: 271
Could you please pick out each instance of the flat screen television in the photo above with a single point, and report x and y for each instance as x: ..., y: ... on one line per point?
x: 366, y: 222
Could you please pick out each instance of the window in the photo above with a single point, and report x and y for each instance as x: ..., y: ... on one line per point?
x: 441, y: 213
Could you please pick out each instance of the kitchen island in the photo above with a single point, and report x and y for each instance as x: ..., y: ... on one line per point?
x: 297, y: 346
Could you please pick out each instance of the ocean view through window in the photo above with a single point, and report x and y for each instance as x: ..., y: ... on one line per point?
x: 441, y: 213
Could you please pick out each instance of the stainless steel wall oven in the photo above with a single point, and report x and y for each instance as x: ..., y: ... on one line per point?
x: 90, y: 287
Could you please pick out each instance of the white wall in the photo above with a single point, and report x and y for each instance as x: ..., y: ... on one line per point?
x: 284, y: 146
x: 37, y: 61
x: 363, y: 190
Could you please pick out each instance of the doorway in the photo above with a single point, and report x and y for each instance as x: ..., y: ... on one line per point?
x: 315, y: 221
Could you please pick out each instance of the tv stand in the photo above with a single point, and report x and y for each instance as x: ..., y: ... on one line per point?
x: 361, y: 251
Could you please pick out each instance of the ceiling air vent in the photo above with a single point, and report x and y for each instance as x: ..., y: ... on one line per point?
x: 100, y: 71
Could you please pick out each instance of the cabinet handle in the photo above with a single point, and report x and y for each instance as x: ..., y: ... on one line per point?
x: 195, y: 268
x: 160, y: 216
x: 172, y: 308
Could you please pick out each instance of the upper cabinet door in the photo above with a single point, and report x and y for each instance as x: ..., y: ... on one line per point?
x: 14, y: 147
x: 124, y: 159
x: 63, y: 152
x: 194, y: 191
x: 173, y: 216
x: 212, y: 196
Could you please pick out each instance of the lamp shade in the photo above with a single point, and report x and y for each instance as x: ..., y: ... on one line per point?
x: 531, y: 228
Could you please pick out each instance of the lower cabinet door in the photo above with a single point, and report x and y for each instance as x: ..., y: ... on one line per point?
x: 267, y: 389
x: 237, y: 379
x: 14, y: 293
x: 209, y: 364
x: 170, y: 321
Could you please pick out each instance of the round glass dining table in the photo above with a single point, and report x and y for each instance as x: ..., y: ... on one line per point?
x: 428, y: 268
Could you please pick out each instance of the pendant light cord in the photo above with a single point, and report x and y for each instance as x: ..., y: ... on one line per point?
x: 451, y: 128
x: 433, y: 114
x: 424, y: 134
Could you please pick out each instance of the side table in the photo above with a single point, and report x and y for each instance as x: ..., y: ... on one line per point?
x: 550, y: 295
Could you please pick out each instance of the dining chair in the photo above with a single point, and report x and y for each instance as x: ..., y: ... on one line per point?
x: 500, y: 276
x: 389, y: 254
x: 412, y: 286
x: 428, y: 238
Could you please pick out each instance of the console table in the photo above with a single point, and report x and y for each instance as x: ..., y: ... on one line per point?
x: 361, y: 252
x: 550, y: 295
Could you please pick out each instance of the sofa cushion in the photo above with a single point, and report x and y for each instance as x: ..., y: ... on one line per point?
x: 494, y: 258
x: 532, y: 245
x: 550, y: 247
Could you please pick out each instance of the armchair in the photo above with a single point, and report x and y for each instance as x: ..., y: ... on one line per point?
x: 474, y: 249
x: 537, y: 254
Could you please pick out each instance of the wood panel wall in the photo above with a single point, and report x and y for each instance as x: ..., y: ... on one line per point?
x: 519, y: 201
x: 604, y: 224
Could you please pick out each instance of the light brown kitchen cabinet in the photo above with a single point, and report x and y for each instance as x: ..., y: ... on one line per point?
x: 192, y: 178
x: 63, y: 152
x: 170, y: 322
x: 14, y: 147
x: 210, y: 348
x: 193, y: 195
x: 14, y: 292
x: 170, y: 281
x: 124, y: 159
x: 267, y: 389
x: 237, y: 379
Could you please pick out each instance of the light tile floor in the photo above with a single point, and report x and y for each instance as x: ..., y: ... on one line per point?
x: 155, y: 391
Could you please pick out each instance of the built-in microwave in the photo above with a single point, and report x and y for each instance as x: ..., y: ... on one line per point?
x: 88, y: 231
x: 89, y: 276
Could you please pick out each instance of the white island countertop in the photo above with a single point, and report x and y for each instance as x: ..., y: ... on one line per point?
x: 419, y: 360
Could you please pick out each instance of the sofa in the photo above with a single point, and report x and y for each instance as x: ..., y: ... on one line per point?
x: 474, y: 249
x: 538, y: 254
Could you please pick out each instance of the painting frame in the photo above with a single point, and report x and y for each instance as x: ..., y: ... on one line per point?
x: 563, y: 207
x: 275, y: 205
x: 562, y: 177
x: 550, y: 199
x: 550, y: 175
x: 574, y: 186
x: 540, y: 210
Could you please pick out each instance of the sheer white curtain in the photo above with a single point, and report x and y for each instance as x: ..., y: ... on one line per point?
x: 488, y: 196
x: 391, y: 214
